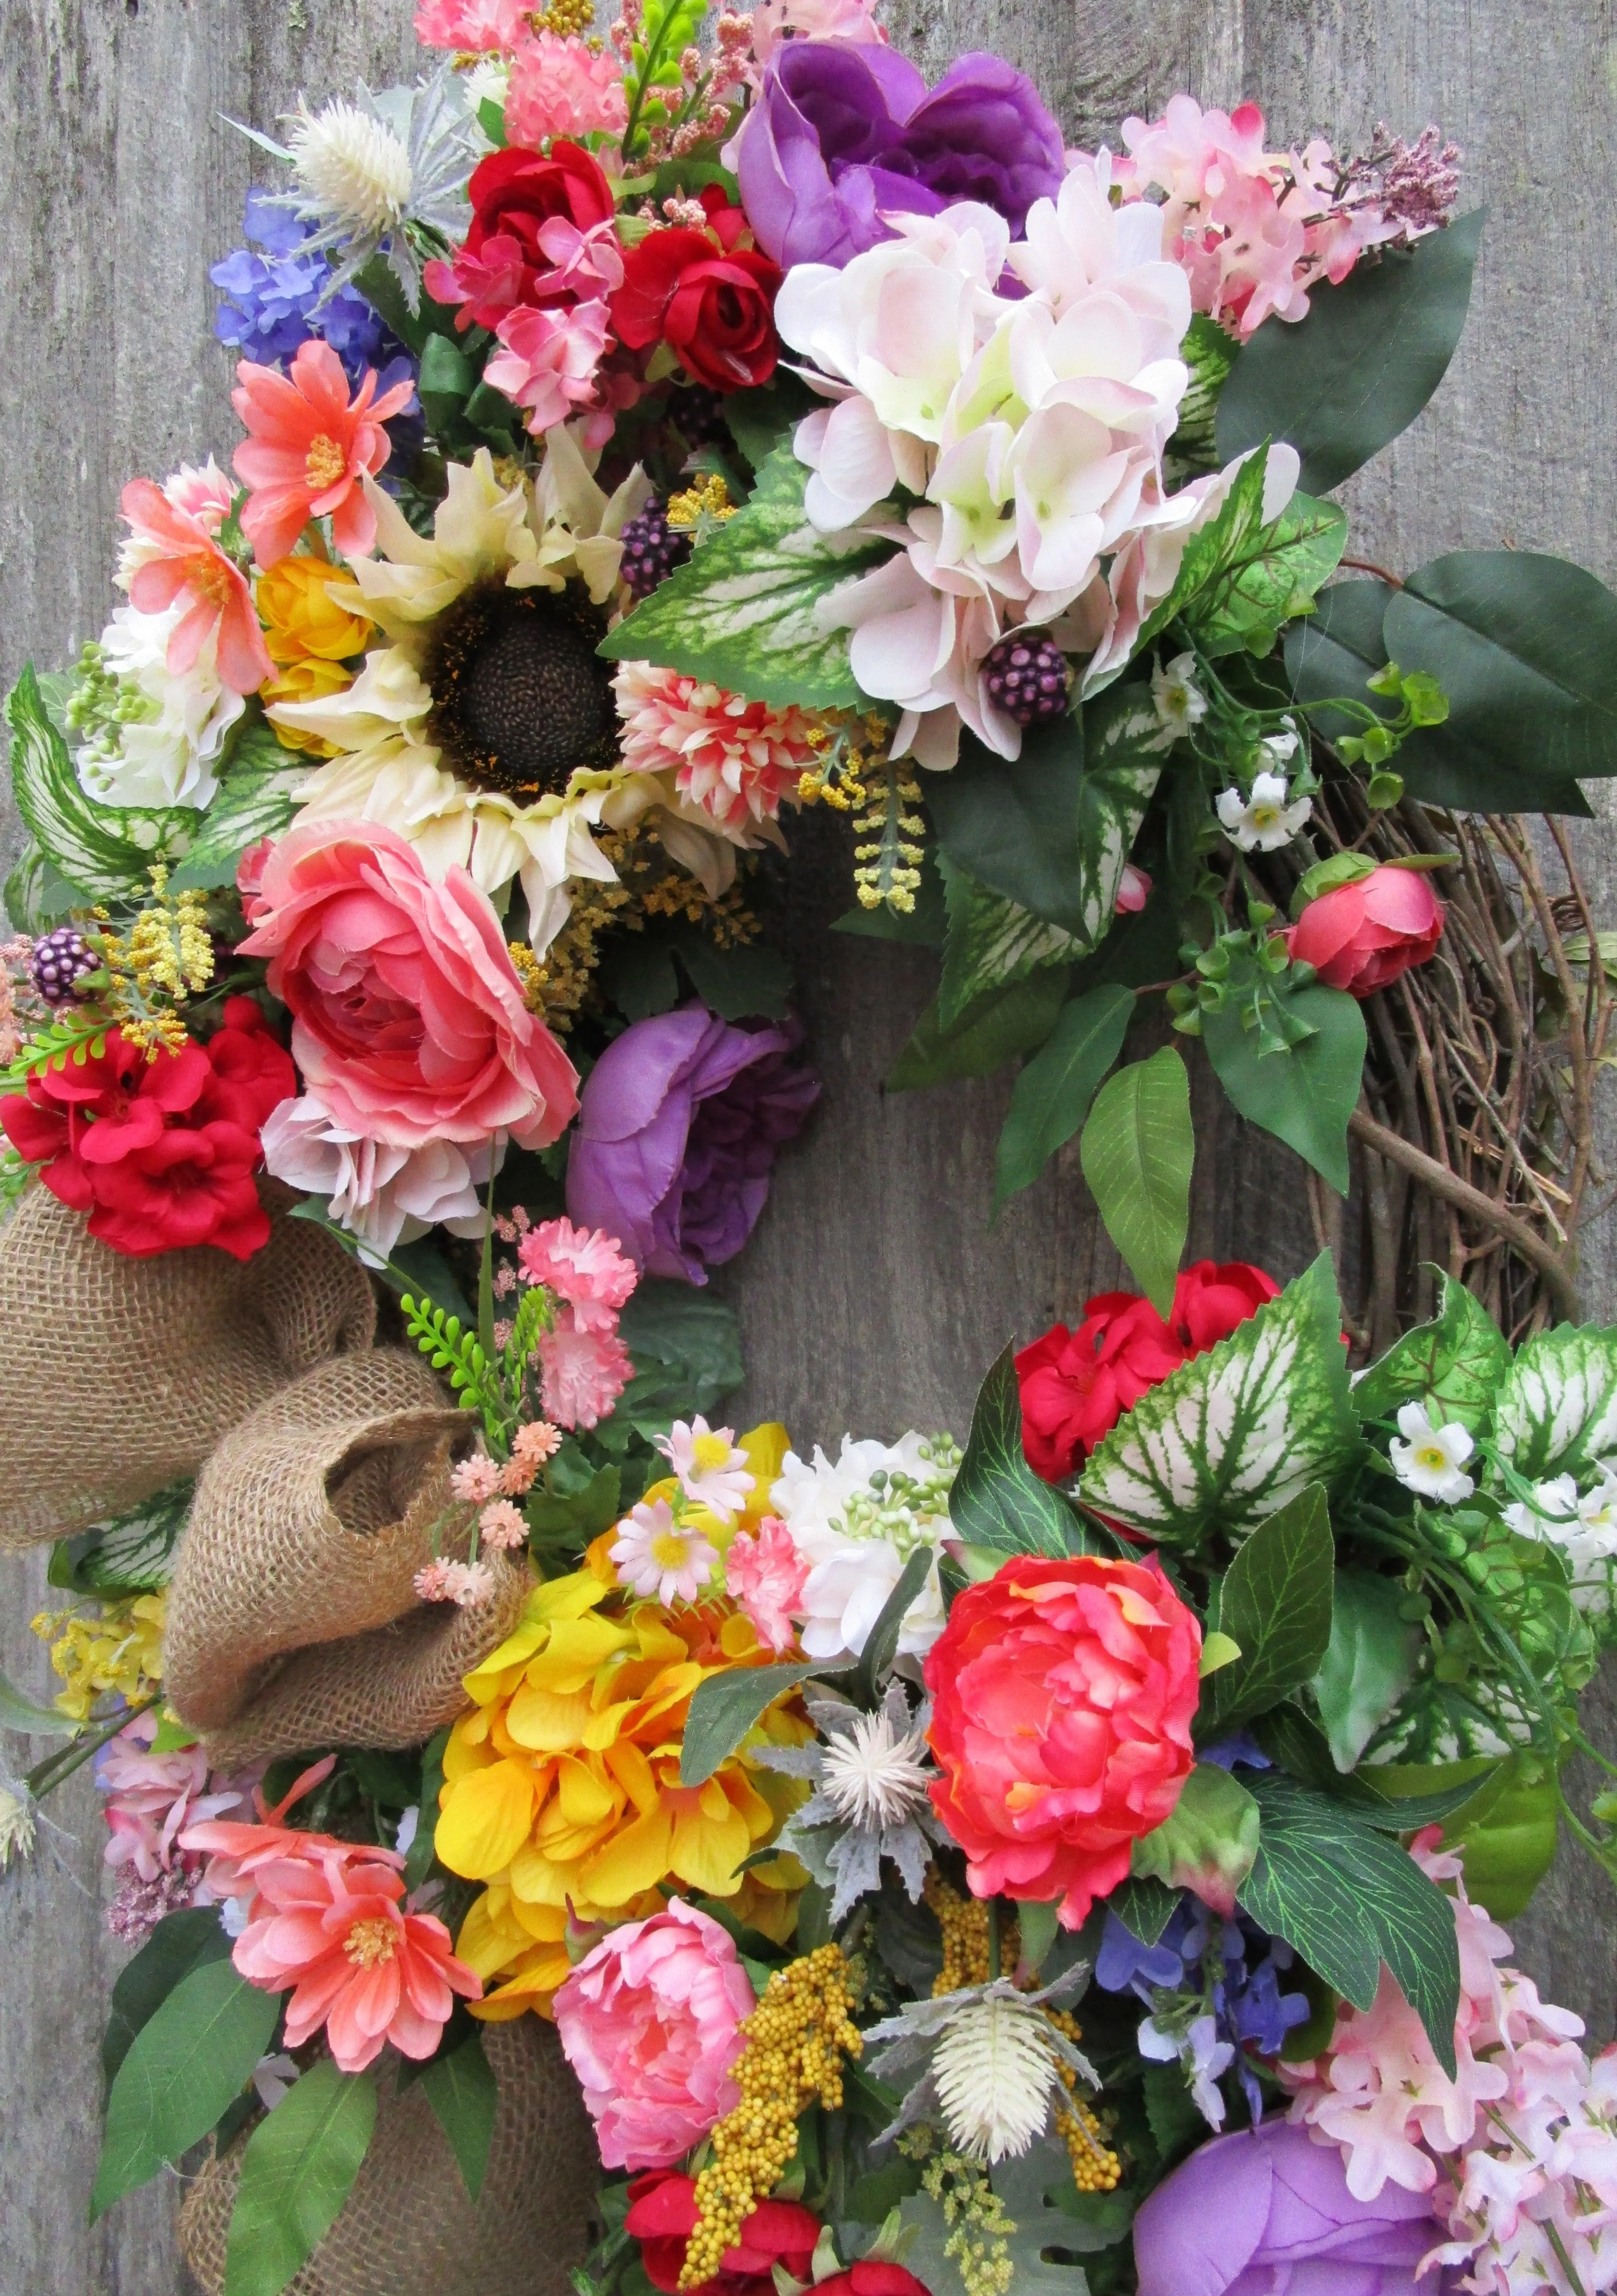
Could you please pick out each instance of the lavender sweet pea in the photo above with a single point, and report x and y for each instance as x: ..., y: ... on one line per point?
x: 678, y: 1129
x: 844, y: 135
x: 1268, y: 2213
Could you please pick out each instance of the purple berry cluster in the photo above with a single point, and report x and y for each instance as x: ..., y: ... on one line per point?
x: 652, y: 550
x: 59, y: 960
x: 699, y: 415
x: 1025, y: 676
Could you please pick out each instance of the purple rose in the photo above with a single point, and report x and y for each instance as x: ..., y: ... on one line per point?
x: 1268, y: 2212
x: 678, y: 1126
x: 844, y: 133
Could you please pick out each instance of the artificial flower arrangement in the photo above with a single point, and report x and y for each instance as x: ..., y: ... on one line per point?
x: 563, y: 1840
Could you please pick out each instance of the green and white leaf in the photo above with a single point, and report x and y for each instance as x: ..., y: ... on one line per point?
x: 254, y: 799
x: 754, y: 609
x: 1137, y: 1151
x: 1369, y: 1664
x: 1235, y: 1434
x: 103, y: 852
x: 1555, y: 1411
x: 1208, y: 1843
x: 1460, y: 1357
x: 1271, y: 581
x: 297, y: 2171
x: 134, y: 1553
x: 990, y: 943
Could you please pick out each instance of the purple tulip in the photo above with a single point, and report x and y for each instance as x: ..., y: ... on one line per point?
x: 1268, y: 2212
x: 678, y: 1128
x: 844, y: 133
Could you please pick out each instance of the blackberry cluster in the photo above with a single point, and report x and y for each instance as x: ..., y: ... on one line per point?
x: 651, y: 549
x: 1025, y: 676
x: 699, y: 414
x: 58, y: 961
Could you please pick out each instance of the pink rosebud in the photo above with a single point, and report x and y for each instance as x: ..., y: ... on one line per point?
x: 1360, y: 937
x: 1133, y: 890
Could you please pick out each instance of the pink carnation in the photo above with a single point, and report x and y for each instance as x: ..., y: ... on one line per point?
x: 650, y: 2024
x: 558, y: 88
x: 150, y: 1797
x: 472, y: 27
x: 766, y: 1575
x: 583, y: 1372
x: 583, y: 1265
x: 738, y: 760
x: 548, y: 358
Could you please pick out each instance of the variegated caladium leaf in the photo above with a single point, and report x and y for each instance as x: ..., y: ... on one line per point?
x: 104, y: 852
x: 1460, y: 1357
x: 1555, y: 1411
x: 990, y: 943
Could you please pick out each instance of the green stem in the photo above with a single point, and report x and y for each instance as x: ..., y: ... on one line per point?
x: 993, y: 1939
x: 47, y: 1774
x: 656, y: 47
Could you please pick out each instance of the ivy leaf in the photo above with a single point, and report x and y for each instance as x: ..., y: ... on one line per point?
x: 297, y: 2171
x: 1302, y: 1092
x: 1460, y: 1357
x: 1137, y: 1151
x: 1238, y: 1432
x: 990, y: 943
x: 993, y: 1029
x: 103, y: 852
x: 748, y: 609
x: 996, y: 1500
x: 1271, y: 581
x: 1369, y: 1664
x: 254, y: 799
x: 463, y: 2094
x: 1208, y: 1843
x: 1275, y: 1603
x: 1051, y: 1096
x: 1555, y: 1410
x: 723, y: 1709
x: 187, y: 2062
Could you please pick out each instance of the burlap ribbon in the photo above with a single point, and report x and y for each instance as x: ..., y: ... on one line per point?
x: 408, y: 2228
x: 122, y: 1374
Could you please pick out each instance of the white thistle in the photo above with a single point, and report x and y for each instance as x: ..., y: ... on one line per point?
x: 995, y: 2070
x: 17, y: 1831
x: 877, y: 1773
x: 353, y: 170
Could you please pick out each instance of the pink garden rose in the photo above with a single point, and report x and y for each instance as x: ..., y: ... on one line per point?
x: 1363, y: 935
x: 408, y: 1018
x: 651, y: 2021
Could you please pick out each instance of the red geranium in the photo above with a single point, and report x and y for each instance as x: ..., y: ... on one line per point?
x: 514, y: 194
x: 662, y: 2217
x: 873, y: 2277
x: 709, y: 298
x: 159, y: 1151
x: 1076, y: 1385
x: 1361, y: 936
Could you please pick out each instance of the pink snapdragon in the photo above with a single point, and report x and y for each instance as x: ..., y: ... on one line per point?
x: 558, y: 87
x: 766, y: 1575
x: 738, y: 760
x: 583, y: 1265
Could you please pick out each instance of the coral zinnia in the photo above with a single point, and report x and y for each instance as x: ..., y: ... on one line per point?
x: 308, y: 447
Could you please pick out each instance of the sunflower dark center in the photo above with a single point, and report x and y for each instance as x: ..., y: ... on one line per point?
x: 521, y: 701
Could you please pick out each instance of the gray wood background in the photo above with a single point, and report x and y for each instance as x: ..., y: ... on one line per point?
x: 873, y: 1295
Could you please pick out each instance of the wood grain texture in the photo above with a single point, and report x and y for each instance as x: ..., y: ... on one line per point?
x: 873, y: 1293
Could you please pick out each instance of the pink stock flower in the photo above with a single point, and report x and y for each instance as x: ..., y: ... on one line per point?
x: 548, y: 360
x: 766, y: 1575
x: 557, y: 87
x: 651, y: 2021
x: 583, y: 1265
x: 472, y: 27
x: 308, y: 449
x: 172, y: 555
x: 583, y: 1372
x: 503, y: 1526
x: 150, y: 1797
x: 738, y: 760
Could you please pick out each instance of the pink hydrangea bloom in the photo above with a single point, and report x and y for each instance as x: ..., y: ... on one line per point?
x: 766, y: 1575
x: 475, y: 1479
x: 503, y: 1526
x: 650, y: 2024
x: 583, y: 1372
x: 558, y: 87
x: 584, y: 1265
x: 472, y: 27
x: 150, y: 1797
x: 738, y: 760
x: 547, y: 360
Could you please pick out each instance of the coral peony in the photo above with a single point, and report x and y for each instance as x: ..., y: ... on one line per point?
x: 558, y: 87
x: 650, y: 2022
x: 309, y: 448
x: 709, y: 299
x: 408, y: 1018
x: 504, y: 263
x: 739, y: 760
x: 1062, y: 1697
x: 172, y: 556
x: 1361, y: 936
x: 662, y: 2215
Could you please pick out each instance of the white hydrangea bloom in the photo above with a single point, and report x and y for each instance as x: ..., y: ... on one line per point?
x: 855, y: 1521
x: 163, y: 748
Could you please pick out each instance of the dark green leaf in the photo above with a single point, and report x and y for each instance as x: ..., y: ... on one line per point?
x: 723, y: 1709
x: 1303, y: 1093
x: 1172, y: 2113
x: 180, y: 1943
x: 996, y: 1500
x: 133, y: 1555
x: 1369, y: 1664
x: 1208, y: 1842
x: 418, y: 1858
x: 1335, y: 651
x: 1392, y: 1805
x: 881, y: 1644
x: 1052, y: 1094
x: 740, y: 983
x: 182, y: 2069
x: 697, y: 1337
x: 1276, y: 1602
x: 1460, y: 1357
x: 462, y: 2092
x: 18, y: 1712
x: 298, y: 2170
x: 1343, y: 383
x: 577, y: 1517
x: 759, y: 420
x: 994, y: 1030
x: 1137, y: 1151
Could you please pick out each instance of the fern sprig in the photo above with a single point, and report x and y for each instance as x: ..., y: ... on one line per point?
x: 459, y: 1354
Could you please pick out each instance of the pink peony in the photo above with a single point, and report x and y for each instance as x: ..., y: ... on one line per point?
x: 471, y: 26
x: 583, y: 1265
x: 766, y: 1575
x: 172, y: 555
x: 738, y: 760
x: 150, y: 1797
x: 650, y: 2024
x: 583, y: 1372
x: 408, y: 1018
x: 558, y: 88
x: 547, y: 360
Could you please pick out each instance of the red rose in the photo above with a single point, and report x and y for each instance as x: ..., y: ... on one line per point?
x: 711, y: 300
x: 160, y: 1152
x: 1361, y: 936
x: 1076, y: 1385
x: 662, y: 2217
x: 872, y: 2278
x: 514, y: 194
x: 1062, y: 1699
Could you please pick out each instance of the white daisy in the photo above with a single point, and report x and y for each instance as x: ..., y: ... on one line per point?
x: 1431, y: 1460
x: 1178, y: 701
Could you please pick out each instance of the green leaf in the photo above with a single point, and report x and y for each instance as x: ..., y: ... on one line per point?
x: 1460, y: 1357
x: 1137, y: 1151
x: 180, y: 1943
x: 996, y: 1500
x: 104, y: 852
x: 1233, y: 538
x: 254, y: 799
x: 182, y: 2069
x: 1172, y: 2113
x: 1555, y: 1410
x: 1510, y: 1845
x: 746, y: 610
x: 577, y: 1517
x: 739, y: 983
x: 1342, y: 384
x: 1209, y: 1842
x: 1369, y: 1664
x: 723, y: 1709
x: 418, y: 1857
x: 1038, y: 1924
x: 1272, y: 581
x: 1389, y: 1797
x: 1303, y: 1093
x: 1276, y: 1602
x: 1237, y: 1433
x: 1052, y: 1094
x: 990, y: 943
x: 19, y: 1712
x: 1348, y: 1898
x: 1336, y: 650
x: 297, y: 2171
x: 462, y: 2092
x: 759, y: 420
x: 1144, y: 1908
x: 697, y: 1338
x: 881, y: 1644
x: 994, y: 1030
x: 131, y: 1555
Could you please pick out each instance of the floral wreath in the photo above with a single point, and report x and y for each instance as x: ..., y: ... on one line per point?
x: 564, y: 1843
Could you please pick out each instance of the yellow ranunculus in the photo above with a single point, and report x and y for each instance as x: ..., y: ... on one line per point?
x: 302, y: 622
x: 305, y: 681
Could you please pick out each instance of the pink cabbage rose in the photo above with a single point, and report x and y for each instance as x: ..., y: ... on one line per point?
x: 650, y: 2022
x: 1361, y: 936
x: 408, y: 1018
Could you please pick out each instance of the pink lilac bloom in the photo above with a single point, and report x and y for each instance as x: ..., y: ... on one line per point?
x: 547, y: 361
x: 738, y: 760
x: 140, y: 1905
x: 585, y: 1266
x: 503, y: 1526
x: 558, y: 87
x: 766, y: 1575
x: 150, y: 1797
x: 471, y: 26
x: 475, y: 1479
x: 583, y: 1372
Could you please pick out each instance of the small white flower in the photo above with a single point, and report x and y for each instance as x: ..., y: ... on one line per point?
x: 352, y: 169
x: 855, y: 1523
x: 409, y: 1826
x: 1584, y: 1527
x: 273, y: 2076
x: 995, y: 2072
x: 1179, y: 702
x: 1555, y: 1502
x: 1280, y: 749
x: 1264, y: 819
x: 1431, y: 1460
x: 877, y: 1773
x: 16, y: 1828
x: 1203, y: 2055
x: 657, y: 1556
x: 233, y: 1916
x: 711, y: 1467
